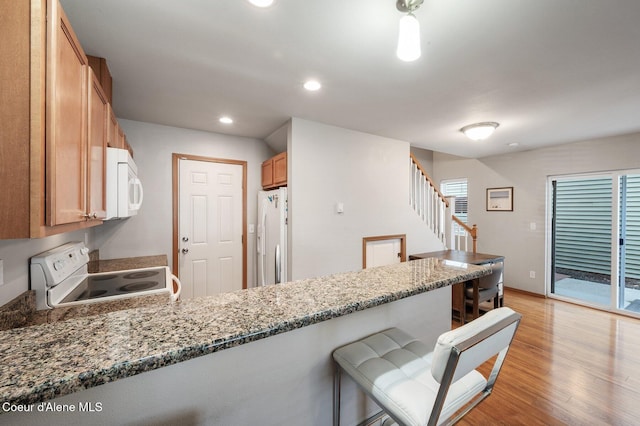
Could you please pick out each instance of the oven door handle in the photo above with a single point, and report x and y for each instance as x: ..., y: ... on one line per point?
x: 176, y: 295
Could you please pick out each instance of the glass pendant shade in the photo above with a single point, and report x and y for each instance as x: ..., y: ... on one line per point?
x: 409, y: 38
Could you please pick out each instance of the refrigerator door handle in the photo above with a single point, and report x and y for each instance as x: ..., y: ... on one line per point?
x: 278, y: 271
x: 262, y: 231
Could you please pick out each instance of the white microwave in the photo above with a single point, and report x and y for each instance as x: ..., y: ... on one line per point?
x: 124, y: 189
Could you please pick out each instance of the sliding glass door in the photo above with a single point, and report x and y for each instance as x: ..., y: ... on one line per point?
x: 595, y: 240
x: 629, y: 243
x: 581, y: 224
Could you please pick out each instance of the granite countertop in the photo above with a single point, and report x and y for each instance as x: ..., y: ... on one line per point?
x: 110, y: 265
x: 45, y: 361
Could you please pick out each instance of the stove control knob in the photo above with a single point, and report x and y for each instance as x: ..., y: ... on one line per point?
x: 58, y: 264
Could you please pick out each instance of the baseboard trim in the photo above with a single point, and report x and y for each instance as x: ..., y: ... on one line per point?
x: 528, y: 293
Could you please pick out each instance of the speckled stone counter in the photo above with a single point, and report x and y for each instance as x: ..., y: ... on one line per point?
x: 19, y: 311
x: 50, y: 360
x: 90, y: 309
x: 110, y: 265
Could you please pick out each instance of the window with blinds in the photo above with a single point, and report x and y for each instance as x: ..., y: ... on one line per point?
x: 458, y: 189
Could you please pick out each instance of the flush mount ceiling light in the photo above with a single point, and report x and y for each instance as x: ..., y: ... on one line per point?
x: 479, y: 131
x: 409, y: 33
x: 226, y: 120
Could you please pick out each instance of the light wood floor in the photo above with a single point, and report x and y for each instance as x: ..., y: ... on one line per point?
x: 568, y: 365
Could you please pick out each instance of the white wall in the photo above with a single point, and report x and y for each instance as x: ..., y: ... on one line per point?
x: 16, y: 254
x: 509, y: 233
x: 369, y: 174
x: 150, y: 232
x: 425, y: 158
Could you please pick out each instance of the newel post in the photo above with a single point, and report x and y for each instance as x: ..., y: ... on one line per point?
x: 449, y: 229
x: 474, y: 236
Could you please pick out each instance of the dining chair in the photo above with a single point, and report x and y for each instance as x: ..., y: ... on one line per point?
x: 485, y: 289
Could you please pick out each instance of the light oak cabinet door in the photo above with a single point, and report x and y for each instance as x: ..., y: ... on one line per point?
x: 274, y: 171
x: 97, y: 148
x: 280, y: 169
x: 66, y: 118
x: 121, y: 138
x: 113, y: 134
x: 101, y: 70
x: 15, y: 120
x: 267, y: 173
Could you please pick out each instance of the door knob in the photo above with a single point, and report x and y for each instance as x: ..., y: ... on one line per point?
x: 185, y: 250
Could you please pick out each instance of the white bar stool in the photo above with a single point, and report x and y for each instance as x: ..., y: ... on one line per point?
x: 416, y: 386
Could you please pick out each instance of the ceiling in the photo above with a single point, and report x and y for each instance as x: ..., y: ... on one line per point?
x: 548, y: 71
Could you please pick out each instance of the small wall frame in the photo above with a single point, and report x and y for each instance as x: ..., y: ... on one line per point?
x: 500, y: 199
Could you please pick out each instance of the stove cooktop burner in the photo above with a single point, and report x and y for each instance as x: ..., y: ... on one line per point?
x: 95, y: 286
x: 140, y: 274
x: 138, y: 286
x: 104, y: 277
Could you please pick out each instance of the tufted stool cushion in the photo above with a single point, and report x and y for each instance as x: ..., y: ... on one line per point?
x: 395, y: 369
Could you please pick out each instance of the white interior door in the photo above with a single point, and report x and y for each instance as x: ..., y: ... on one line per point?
x: 210, y: 227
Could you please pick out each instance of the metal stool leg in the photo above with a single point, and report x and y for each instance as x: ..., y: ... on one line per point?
x: 336, y: 397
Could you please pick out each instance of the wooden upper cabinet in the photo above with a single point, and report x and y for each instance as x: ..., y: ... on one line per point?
x: 52, y: 120
x: 121, y: 138
x: 66, y: 121
x: 15, y: 119
x: 97, y: 148
x: 274, y: 171
x: 101, y: 70
x: 113, y: 135
x: 267, y: 173
x: 280, y: 169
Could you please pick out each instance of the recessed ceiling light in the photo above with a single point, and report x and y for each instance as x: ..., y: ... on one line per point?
x: 225, y: 120
x: 514, y: 144
x: 312, y: 85
x: 261, y: 3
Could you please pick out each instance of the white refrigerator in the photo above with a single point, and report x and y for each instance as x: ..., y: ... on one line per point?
x: 272, y: 236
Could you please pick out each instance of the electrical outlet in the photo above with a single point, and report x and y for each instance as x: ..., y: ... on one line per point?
x: 1, y: 271
x: 532, y: 274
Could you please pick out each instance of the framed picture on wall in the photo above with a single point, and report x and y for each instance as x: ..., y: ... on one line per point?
x: 500, y: 199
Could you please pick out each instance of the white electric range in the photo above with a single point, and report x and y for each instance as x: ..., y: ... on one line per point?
x: 60, y: 278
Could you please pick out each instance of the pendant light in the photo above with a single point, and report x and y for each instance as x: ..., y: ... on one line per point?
x: 409, y: 34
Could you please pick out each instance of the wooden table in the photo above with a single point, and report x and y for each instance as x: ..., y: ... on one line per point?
x: 457, y: 290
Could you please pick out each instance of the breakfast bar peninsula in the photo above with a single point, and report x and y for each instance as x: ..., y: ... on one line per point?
x: 256, y: 356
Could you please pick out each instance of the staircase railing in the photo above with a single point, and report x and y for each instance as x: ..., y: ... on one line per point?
x: 435, y: 211
x: 427, y: 201
x: 461, y: 233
